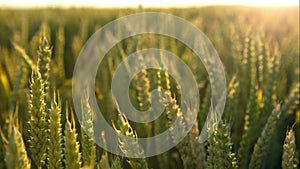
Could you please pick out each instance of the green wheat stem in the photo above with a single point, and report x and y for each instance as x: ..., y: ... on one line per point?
x: 250, y: 129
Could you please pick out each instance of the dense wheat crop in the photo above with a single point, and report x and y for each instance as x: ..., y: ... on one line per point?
x: 260, y: 126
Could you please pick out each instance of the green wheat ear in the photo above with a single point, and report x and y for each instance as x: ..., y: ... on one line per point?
x: 260, y: 148
x: 179, y: 131
x: 289, y: 149
x: 44, y: 31
x: 22, y: 52
x: 142, y: 87
x: 165, y: 80
x: 59, y: 53
x: 220, y: 147
x: 44, y: 58
x: 21, y: 80
x: 132, y: 148
x: 54, y: 154
x: 38, y: 125
x: 71, y: 145
x: 271, y: 86
x: 15, y: 154
x: 232, y: 88
x: 87, y: 135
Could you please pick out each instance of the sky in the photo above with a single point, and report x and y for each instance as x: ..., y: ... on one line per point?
x: 144, y: 3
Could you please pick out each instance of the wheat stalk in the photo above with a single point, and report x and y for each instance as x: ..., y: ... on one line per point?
x: 250, y: 128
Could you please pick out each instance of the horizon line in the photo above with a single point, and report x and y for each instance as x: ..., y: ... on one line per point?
x: 58, y: 6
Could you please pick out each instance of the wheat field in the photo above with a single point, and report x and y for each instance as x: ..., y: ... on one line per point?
x: 260, y: 126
